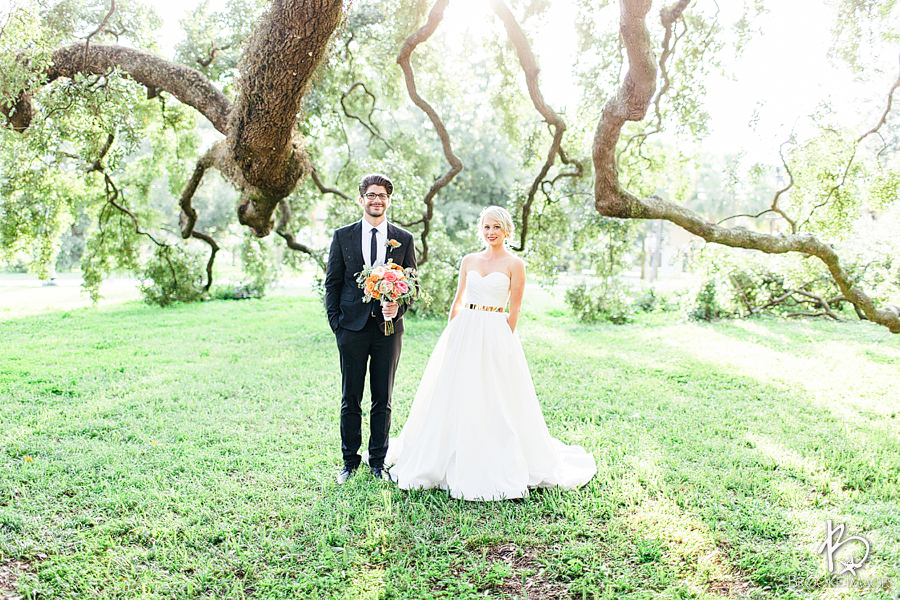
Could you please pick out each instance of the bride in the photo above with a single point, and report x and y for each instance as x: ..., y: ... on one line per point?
x: 475, y: 427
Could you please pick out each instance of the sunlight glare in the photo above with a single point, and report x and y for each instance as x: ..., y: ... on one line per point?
x: 551, y: 35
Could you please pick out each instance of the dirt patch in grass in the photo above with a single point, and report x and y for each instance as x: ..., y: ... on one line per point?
x: 730, y: 589
x: 527, y: 578
x: 9, y: 574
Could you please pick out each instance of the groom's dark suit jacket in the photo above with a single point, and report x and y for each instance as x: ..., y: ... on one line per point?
x: 343, y: 296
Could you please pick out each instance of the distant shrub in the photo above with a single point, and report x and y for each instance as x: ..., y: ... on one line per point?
x: 600, y: 303
x: 705, y: 303
x: 652, y: 300
x: 173, y: 274
x: 236, y: 291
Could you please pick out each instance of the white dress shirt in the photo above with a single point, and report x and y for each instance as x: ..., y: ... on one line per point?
x: 380, y: 241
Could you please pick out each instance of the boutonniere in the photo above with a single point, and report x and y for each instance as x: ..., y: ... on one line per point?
x: 392, y: 244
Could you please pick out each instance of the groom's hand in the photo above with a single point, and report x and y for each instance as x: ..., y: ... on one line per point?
x: 389, y: 310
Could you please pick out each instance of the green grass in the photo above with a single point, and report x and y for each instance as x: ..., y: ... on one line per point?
x: 191, y: 452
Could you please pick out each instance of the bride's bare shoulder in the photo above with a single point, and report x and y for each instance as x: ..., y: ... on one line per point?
x: 515, y: 263
x: 468, y: 260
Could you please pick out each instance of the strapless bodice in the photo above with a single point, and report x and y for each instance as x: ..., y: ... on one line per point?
x: 490, y: 290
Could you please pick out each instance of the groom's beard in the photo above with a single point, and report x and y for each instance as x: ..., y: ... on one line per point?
x: 375, y: 211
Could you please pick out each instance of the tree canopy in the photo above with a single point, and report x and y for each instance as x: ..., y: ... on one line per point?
x: 300, y: 96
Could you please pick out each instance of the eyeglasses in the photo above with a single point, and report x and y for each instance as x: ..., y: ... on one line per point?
x: 382, y: 197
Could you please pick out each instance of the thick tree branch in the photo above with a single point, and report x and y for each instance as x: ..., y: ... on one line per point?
x: 279, y: 61
x: 558, y: 126
x: 188, y: 217
x: 611, y: 199
x: 668, y: 16
x: 419, y: 36
x: 189, y: 85
x: 629, y: 104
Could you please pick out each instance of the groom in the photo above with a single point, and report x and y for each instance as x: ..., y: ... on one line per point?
x: 359, y: 327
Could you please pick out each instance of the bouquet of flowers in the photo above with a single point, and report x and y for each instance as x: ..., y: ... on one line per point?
x: 389, y: 283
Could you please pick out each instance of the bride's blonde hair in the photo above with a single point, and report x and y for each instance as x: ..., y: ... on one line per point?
x: 499, y: 214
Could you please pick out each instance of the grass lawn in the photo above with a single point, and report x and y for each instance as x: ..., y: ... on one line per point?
x: 192, y: 451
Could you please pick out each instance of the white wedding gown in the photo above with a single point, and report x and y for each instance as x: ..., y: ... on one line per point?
x: 475, y: 427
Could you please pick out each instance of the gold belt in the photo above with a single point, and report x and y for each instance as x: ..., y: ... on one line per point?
x: 487, y: 308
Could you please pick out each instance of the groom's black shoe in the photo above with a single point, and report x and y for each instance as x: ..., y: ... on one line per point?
x: 345, y: 474
x: 382, y: 473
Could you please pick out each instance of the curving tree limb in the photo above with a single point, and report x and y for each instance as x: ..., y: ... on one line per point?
x: 281, y: 229
x: 610, y: 199
x: 668, y: 16
x: 87, y: 40
x: 314, y: 174
x: 214, y: 247
x: 371, y: 127
x: 555, y: 122
x: 456, y: 165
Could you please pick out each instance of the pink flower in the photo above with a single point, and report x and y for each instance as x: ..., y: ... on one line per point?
x: 402, y: 287
x: 385, y: 287
x: 391, y: 275
x: 378, y: 272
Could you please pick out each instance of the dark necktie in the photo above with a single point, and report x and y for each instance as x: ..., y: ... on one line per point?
x: 373, y: 248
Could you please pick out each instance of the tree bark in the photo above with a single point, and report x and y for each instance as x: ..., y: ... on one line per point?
x: 189, y: 85
x: 279, y: 61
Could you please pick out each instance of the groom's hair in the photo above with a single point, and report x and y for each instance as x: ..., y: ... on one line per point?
x: 375, y: 179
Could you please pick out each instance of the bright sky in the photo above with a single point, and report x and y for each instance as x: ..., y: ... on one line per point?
x: 783, y: 75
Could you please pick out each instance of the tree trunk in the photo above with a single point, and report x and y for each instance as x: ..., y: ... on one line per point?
x: 656, y: 258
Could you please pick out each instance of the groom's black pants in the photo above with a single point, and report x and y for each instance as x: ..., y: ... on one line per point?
x: 380, y: 353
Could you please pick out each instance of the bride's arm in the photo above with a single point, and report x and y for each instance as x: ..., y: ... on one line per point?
x: 516, y: 291
x: 460, y: 289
